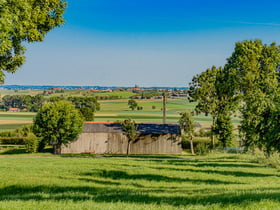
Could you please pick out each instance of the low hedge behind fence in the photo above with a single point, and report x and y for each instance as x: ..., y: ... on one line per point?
x: 13, y: 140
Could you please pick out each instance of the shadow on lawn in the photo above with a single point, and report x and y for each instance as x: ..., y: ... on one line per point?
x: 76, y: 193
x: 220, y: 172
x: 199, y: 163
x: 120, y: 175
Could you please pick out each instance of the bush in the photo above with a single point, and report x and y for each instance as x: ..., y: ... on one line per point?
x: 186, y: 142
x: 31, y: 143
x: 7, y: 134
x: 202, y: 148
x: 12, y: 140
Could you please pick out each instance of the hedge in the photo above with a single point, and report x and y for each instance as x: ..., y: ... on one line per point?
x: 13, y: 140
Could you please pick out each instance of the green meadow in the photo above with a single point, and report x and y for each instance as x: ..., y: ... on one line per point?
x: 114, y: 110
x: 224, y: 181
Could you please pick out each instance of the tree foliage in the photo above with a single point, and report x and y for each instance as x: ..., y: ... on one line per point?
x: 187, y: 126
x: 25, y: 21
x: 250, y: 79
x: 213, y: 96
x: 58, y: 123
x: 132, y: 104
x: 254, y: 67
x: 86, y: 105
x: 30, y: 103
x: 130, y: 131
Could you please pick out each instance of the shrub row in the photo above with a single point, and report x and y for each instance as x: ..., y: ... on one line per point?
x: 13, y: 140
x: 196, y: 141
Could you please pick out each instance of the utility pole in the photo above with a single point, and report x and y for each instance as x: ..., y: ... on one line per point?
x: 164, y: 108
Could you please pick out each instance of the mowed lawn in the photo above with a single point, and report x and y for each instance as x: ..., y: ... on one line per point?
x: 185, y: 182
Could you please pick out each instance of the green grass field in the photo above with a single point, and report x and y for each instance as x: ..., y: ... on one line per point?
x: 212, y: 182
x: 114, y: 110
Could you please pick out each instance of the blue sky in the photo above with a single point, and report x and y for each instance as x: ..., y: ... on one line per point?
x: 144, y: 42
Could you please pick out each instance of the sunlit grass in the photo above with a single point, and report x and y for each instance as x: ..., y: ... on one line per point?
x: 159, y: 182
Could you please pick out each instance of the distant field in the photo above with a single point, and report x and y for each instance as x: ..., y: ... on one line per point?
x: 215, y: 182
x: 11, y: 121
x: 113, y: 110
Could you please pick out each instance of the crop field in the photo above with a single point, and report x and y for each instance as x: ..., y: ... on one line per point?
x: 224, y: 181
x: 10, y: 121
x: 151, y: 112
x: 113, y: 110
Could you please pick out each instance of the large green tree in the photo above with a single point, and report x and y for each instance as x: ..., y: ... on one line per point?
x: 58, y: 123
x: 213, y: 96
x: 24, y: 21
x: 253, y: 67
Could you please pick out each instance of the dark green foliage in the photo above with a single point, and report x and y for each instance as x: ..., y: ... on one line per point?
x: 31, y: 143
x: 132, y: 104
x: 186, y: 142
x: 13, y: 140
x: 224, y: 130
x: 58, y: 123
x: 7, y: 133
x: 87, y: 106
x: 210, y: 89
x: 130, y: 131
x: 30, y: 103
x: 270, y: 130
x: 202, y: 148
x: 187, y: 126
x: 24, y: 130
x: 25, y: 21
x: 87, y: 113
x: 254, y: 67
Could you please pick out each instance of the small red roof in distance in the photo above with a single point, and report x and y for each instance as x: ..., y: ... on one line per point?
x: 14, y: 109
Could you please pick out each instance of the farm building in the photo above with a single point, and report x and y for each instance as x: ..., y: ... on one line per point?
x: 109, y: 138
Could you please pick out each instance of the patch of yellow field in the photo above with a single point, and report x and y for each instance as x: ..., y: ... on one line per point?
x: 18, y: 113
x: 15, y: 121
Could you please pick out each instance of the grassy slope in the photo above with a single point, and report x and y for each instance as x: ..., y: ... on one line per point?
x: 215, y: 182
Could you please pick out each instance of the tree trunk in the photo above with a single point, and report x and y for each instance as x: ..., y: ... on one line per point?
x: 191, y: 144
x: 127, y: 148
x: 212, y: 134
x: 57, y: 149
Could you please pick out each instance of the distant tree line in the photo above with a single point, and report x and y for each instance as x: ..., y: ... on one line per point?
x: 27, y: 102
x: 86, y: 105
x: 247, y: 85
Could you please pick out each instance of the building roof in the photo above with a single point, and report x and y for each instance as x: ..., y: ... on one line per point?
x: 143, y: 128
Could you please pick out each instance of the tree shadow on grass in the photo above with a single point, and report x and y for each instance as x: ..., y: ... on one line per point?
x: 121, y: 175
x: 107, y: 182
x: 78, y: 193
x: 249, y: 165
x: 226, y: 173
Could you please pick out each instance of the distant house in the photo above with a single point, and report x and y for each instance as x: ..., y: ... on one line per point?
x: 109, y: 138
x: 13, y: 110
